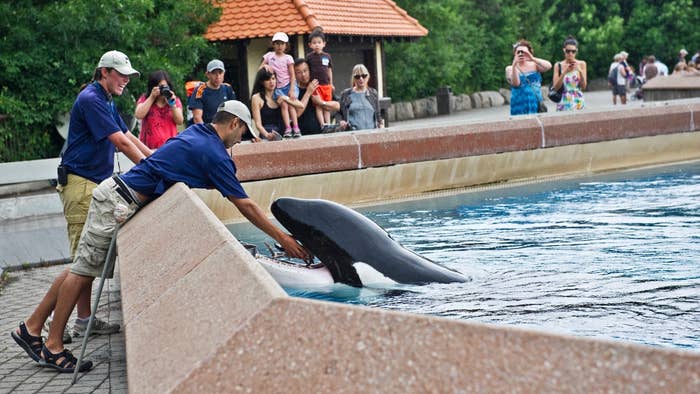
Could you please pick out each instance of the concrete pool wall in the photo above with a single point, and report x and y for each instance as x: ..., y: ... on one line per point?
x: 368, y: 166
x: 201, y: 315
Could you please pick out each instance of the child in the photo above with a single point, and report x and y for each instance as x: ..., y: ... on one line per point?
x: 321, y: 69
x: 286, y: 90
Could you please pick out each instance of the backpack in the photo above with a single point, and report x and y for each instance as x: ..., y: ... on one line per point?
x: 612, y: 76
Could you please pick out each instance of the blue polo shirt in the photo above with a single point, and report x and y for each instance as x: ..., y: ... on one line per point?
x: 196, y: 156
x: 94, y: 117
x: 208, y: 99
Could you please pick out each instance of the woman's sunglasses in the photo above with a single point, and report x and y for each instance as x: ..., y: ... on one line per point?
x: 570, y: 50
x: 358, y: 76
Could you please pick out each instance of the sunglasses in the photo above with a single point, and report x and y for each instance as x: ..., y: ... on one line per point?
x: 358, y: 76
x: 520, y: 52
x: 570, y: 50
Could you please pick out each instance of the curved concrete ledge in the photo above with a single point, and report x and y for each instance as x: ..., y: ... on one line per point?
x: 375, y: 148
x: 202, y: 316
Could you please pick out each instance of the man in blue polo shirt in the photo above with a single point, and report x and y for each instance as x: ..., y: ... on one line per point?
x: 95, y: 130
x: 197, y: 157
x: 207, y: 97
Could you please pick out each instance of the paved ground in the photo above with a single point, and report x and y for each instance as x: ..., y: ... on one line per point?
x: 20, y: 374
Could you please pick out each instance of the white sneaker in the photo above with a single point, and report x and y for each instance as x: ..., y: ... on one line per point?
x: 66, y: 335
x: 99, y: 327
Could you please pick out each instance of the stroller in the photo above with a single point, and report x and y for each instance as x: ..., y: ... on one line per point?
x: 635, y: 87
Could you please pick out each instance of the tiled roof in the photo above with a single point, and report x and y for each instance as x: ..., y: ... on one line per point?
x: 262, y: 18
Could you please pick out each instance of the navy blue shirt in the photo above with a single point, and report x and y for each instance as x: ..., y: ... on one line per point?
x: 208, y: 100
x: 94, y: 117
x: 197, y: 157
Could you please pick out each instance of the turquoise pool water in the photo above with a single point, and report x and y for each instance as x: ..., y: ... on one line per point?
x: 614, y: 256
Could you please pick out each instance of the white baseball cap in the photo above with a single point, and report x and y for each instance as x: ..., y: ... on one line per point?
x: 118, y: 61
x: 215, y: 64
x: 239, y: 109
x: 280, y: 36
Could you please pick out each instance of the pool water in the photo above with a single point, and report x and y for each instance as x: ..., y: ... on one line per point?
x: 615, y: 256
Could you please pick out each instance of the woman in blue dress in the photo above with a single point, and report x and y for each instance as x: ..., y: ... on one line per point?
x: 525, y: 79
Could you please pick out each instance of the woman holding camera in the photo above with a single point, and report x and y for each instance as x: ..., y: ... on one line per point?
x: 159, y: 110
x: 571, y: 73
x: 525, y: 79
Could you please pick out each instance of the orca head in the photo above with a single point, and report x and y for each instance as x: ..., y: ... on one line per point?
x: 308, y: 222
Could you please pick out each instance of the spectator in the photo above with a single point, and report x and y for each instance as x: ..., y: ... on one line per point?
x: 650, y: 70
x: 197, y: 157
x: 620, y: 86
x: 307, y: 119
x: 685, y: 70
x: 159, y: 110
x: 267, y: 114
x: 681, y: 56
x: 663, y: 69
x: 321, y: 69
x: 679, y: 68
x: 95, y: 129
x: 571, y: 73
x: 286, y: 89
x: 695, y: 57
x: 359, y: 105
x: 525, y: 79
x: 642, y: 64
x: 206, y: 97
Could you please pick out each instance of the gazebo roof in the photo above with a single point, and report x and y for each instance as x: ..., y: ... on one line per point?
x: 262, y: 18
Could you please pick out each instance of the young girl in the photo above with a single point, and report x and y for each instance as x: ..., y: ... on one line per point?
x: 287, y: 90
x: 571, y: 73
x: 321, y: 69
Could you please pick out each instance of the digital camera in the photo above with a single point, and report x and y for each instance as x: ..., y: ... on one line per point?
x: 166, y: 92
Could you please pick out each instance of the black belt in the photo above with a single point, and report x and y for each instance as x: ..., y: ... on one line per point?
x: 123, y: 191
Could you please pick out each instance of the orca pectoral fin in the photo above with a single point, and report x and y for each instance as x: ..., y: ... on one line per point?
x: 342, y: 271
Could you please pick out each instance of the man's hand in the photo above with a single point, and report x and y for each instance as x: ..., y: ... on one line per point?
x: 293, y: 248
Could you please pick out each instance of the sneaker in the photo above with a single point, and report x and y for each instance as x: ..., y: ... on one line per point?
x: 287, y: 133
x: 99, y: 327
x: 297, y: 133
x: 66, y: 335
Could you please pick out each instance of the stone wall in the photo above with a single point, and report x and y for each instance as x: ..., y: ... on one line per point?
x: 427, y: 107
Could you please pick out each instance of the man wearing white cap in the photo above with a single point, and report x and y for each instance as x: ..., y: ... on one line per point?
x: 206, y: 97
x: 197, y: 157
x: 95, y: 129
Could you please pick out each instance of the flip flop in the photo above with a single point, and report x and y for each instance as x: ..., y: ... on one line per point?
x: 30, y: 343
x: 63, y: 362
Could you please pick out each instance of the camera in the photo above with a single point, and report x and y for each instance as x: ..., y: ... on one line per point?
x: 166, y: 92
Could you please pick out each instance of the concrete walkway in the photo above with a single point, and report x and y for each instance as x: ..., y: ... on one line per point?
x: 20, y: 374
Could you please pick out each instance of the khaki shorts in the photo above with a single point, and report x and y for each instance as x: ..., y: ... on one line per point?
x: 75, y: 196
x: 98, y: 230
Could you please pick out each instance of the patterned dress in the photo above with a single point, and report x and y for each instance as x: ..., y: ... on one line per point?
x: 524, y: 99
x: 572, y: 97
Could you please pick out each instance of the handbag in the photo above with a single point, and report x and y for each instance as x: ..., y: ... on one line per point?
x: 555, y: 94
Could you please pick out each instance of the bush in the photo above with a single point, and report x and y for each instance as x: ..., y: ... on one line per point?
x: 55, y: 47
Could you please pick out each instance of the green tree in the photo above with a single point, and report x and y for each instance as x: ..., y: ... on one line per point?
x: 54, y: 46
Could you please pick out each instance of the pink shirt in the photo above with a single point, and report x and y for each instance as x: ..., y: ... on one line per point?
x: 158, y: 124
x: 280, y: 64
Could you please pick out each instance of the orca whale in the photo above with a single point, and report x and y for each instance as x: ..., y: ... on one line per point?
x: 345, y: 241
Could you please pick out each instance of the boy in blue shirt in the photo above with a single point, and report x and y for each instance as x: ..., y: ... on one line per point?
x: 197, y: 157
